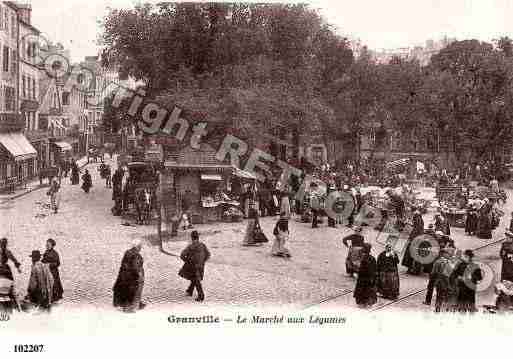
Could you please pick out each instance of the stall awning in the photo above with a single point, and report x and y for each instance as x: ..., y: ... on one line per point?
x: 211, y: 177
x: 64, y: 146
x: 244, y: 174
x: 18, y: 146
x: 394, y: 164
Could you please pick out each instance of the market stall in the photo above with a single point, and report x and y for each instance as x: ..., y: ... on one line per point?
x: 201, y: 191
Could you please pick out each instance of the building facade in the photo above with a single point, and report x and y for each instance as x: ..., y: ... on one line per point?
x: 28, y: 88
x: 18, y: 158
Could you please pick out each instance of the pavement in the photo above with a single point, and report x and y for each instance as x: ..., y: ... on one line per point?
x: 91, y: 243
x: 33, y: 185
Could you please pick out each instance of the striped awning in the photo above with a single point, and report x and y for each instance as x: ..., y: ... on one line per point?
x: 209, y: 177
x: 18, y: 146
x: 397, y: 163
x: 64, y: 146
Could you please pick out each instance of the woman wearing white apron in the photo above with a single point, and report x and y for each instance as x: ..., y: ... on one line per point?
x: 281, y: 236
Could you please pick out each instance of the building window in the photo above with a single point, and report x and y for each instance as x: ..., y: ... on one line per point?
x: 10, y: 98
x: 24, y: 91
x: 372, y: 137
x: 65, y: 98
x: 33, y: 89
x: 28, y: 87
x: 43, y: 123
x: 13, y: 60
x: 6, y: 20
x: 6, y: 59
x: 23, y: 48
x: 13, y: 24
x: 395, y: 141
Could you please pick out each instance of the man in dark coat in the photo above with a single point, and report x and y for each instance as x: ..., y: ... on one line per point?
x: 365, y: 290
x: 130, y: 281
x: 51, y: 257
x: 194, y: 257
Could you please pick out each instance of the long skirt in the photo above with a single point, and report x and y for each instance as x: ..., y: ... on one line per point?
x: 446, y: 297
x: 365, y: 293
x: 485, y: 230
x: 388, y: 284
x: 249, y: 238
x: 278, y: 248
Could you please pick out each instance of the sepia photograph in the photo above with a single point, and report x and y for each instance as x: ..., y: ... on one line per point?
x: 339, y: 166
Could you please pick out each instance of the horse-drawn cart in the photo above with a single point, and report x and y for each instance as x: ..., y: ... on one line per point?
x: 140, y: 190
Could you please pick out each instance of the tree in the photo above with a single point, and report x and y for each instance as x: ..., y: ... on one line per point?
x: 472, y: 97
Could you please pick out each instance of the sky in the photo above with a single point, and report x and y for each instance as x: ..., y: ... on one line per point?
x: 378, y: 24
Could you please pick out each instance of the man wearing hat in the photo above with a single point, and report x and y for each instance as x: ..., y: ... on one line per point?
x: 40, y: 288
x: 195, y: 255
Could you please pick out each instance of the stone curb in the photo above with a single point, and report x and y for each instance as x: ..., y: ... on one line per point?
x: 29, y: 190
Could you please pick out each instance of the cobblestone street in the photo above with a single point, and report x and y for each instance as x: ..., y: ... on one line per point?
x: 91, y: 243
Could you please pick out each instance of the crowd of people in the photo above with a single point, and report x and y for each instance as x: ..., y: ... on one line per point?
x: 44, y: 287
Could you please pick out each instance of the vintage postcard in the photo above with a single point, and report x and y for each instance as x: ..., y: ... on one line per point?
x: 321, y: 167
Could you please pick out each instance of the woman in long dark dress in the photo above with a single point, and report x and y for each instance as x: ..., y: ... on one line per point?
x: 254, y: 234
x: 409, y: 262
x: 484, y: 230
x: 388, y: 274
x: 52, y: 258
x: 471, y: 222
x: 5, y: 256
x: 75, y: 178
x: 469, y: 275
x: 365, y: 290
x: 87, y: 182
x: 130, y: 281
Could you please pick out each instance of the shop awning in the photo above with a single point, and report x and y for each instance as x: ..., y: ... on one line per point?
x: 394, y: 164
x: 244, y: 174
x: 211, y: 177
x: 64, y: 146
x: 18, y: 146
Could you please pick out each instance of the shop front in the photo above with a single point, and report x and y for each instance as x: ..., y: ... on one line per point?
x: 17, y: 160
x: 61, y: 151
x: 198, y: 190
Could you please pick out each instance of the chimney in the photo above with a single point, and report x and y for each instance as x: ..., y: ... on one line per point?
x: 25, y: 11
